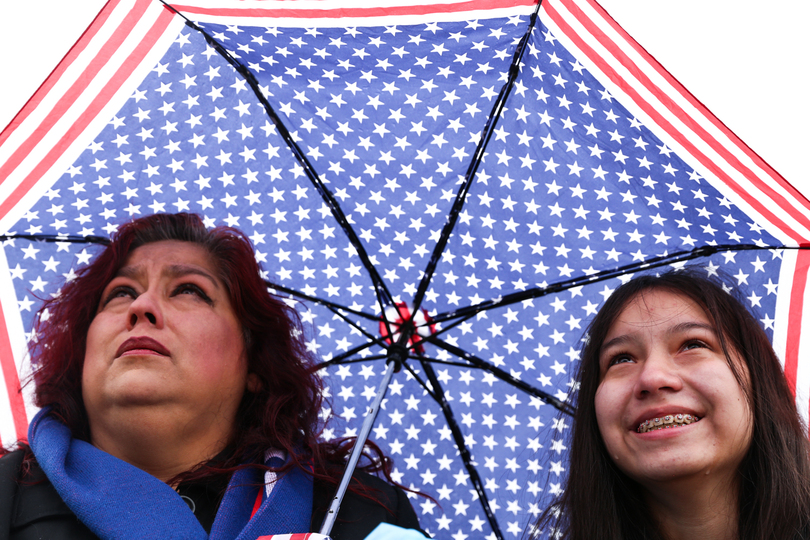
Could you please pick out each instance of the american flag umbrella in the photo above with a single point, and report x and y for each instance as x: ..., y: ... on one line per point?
x: 454, y: 186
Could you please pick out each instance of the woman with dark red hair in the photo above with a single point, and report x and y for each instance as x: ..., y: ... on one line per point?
x: 178, y: 401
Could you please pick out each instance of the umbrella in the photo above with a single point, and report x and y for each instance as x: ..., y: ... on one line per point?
x: 468, y: 165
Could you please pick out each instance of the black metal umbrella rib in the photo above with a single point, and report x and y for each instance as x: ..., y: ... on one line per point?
x: 399, y: 344
x: 334, y: 307
x: 477, y: 158
x: 56, y: 238
x: 458, y: 437
x: 648, y: 264
x: 503, y: 375
x: 383, y: 295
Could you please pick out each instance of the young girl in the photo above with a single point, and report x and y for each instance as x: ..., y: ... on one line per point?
x: 685, y: 426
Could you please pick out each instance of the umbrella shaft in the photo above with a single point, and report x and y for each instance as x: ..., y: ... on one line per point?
x: 357, y: 450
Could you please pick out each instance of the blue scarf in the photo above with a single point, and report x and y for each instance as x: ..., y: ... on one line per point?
x: 119, y: 501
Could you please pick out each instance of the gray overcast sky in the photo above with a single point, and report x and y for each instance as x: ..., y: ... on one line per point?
x: 748, y: 61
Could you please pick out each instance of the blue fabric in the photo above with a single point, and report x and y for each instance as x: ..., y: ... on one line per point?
x: 119, y: 501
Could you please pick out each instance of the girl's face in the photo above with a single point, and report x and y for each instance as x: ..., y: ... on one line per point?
x: 661, y: 365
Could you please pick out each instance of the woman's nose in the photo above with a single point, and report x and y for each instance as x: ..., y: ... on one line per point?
x: 144, y: 310
x: 658, y: 374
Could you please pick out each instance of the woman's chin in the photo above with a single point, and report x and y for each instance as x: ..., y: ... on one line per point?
x: 139, y: 388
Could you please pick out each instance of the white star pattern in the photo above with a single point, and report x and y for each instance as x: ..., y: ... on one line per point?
x: 389, y: 117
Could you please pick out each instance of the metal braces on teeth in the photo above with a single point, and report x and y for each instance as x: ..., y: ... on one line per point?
x: 668, y: 421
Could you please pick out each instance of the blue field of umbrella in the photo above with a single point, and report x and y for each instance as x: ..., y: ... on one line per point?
x: 570, y: 185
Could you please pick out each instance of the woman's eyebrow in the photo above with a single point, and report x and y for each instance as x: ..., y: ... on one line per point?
x: 132, y: 272
x: 172, y: 271
x: 179, y: 270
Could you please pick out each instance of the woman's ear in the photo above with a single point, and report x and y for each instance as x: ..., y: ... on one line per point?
x: 254, y: 384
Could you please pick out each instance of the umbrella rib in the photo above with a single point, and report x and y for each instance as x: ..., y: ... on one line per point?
x: 478, y: 156
x: 57, y: 238
x: 418, y: 379
x: 503, y: 375
x: 333, y: 306
x: 448, y: 362
x: 656, y: 262
x: 342, y: 361
x: 458, y: 437
x: 343, y: 358
x: 383, y: 294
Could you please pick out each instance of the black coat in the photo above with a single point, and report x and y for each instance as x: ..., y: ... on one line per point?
x: 31, y: 509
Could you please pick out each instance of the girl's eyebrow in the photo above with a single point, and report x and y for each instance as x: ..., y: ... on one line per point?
x: 677, y: 329
x: 618, y: 340
x: 689, y: 325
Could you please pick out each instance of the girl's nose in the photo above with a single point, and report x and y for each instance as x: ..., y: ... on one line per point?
x: 658, y: 374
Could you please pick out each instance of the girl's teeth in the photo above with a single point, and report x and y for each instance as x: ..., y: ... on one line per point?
x: 666, y: 422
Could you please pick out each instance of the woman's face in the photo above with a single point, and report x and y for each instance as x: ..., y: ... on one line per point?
x: 165, y: 340
x: 662, y: 358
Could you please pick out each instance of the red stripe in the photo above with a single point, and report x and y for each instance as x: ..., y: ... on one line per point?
x: 794, y: 329
x: 12, y: 380
x: 705, y: 136
x: 697, y: 104
x: 90, y: 113
x: 674, y: 133
x: 338, y: 13
x: 75, y: 91
x: 257, y: 503
x: 74, y: 52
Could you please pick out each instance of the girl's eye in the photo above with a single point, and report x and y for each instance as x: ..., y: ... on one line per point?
x: 621, y: 358
x: 694, y: 344
x: 190, y: 288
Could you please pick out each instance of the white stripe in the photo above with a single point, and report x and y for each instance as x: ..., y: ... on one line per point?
x: 8, y: 433
x: 298, y: 5
x: 99, y: 122
x: 698, y: 114
x: 803, y: 368
x: 71, y: 75
x: 11, y: 314
x: 16, y: 333
x: 732, y: 144
x: 782, y: 310
x: 679, y: 126
x: 269, y: 476
x: 677, y: 123
x: 297, y: 21
x: 780, y: 336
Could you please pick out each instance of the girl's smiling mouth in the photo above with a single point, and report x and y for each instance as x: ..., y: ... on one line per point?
x: 667, y: 422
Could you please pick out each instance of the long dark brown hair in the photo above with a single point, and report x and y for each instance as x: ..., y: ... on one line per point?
x: 283, y: 413
x: 599, y: 501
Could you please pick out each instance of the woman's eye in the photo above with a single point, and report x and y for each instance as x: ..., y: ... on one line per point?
x: 190, y: 288
x: 121, y: 291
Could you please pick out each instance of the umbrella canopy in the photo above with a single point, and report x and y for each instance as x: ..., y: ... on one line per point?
x: 490, y: 172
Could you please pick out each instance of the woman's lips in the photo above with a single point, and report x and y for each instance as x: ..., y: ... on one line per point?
x: 143, y: 345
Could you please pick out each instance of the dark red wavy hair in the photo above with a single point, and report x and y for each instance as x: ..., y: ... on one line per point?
x: 283, y: 413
